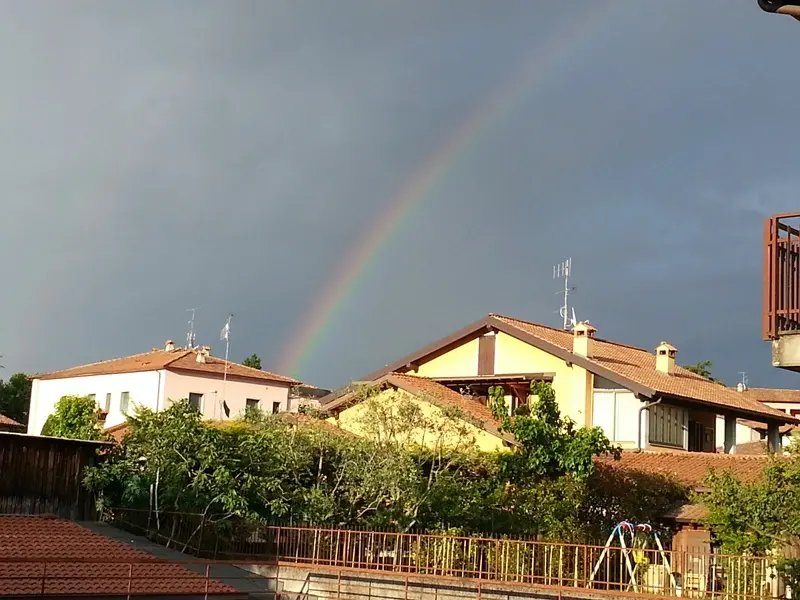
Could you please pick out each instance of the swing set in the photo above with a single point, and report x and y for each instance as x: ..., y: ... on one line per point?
x: 640, y: 538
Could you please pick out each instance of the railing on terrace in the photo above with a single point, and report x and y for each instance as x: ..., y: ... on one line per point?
x: 781, y: 284
x: 506, y: 561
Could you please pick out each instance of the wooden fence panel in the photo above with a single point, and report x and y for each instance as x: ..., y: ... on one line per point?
x: 43, y: 475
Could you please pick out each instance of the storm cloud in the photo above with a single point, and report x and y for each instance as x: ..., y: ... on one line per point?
x: 158, y: 156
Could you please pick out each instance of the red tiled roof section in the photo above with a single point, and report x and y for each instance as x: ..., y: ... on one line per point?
x: 102, y: 566
x: 756, y: 448
x: 118, y: 432
x: 8, y: 422
x: 689, y: 468
x: 303, y: 420
x: 156, y: 360
x: 639, y: 365
x: 772, y: 395
x: 439, y: 394
x: 217, y: 366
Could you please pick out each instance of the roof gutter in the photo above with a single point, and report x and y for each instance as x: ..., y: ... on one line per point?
x: 642, y: 408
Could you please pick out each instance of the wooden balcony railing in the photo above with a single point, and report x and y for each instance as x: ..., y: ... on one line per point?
x: 781, y: 287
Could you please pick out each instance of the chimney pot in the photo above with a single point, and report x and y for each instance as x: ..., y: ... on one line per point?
x: 665, y: 358
x: 169, y: 346
x: 740, y: 387
x: 201, y: 356
x: 583, y: 339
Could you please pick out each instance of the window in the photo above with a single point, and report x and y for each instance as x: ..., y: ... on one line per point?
x: 615, y: 411
x: 196, y: 401
x: 276, y: 408
x: 124, y: 398
x: 251, y: 403
x: 795, y: 412
x: 666, y: 425
x: 108, y: 402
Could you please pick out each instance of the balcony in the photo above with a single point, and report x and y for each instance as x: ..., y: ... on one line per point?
x: 781, y: 289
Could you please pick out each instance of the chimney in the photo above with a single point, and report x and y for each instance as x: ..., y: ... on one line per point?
x: 740, y: 387
x: 202, y: 354
x: 665, y: 358
x: 583, y: 339
x: 169, y: 346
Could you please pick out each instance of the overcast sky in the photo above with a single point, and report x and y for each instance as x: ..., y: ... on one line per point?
x: 163, y: 155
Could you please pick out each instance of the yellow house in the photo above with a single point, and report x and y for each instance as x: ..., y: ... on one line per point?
x: 639, y: 398
x: 417, y: 410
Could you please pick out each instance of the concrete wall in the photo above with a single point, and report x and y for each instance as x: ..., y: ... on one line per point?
x: 348, y: 585
x: 144, y: 389
x: 459, y: 362
x: 236, y: 392
x: 572, y: 384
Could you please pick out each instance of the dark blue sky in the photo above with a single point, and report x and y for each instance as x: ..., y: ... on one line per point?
x: 228, y: 156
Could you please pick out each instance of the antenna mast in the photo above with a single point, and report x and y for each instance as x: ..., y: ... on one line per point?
x: 190, y: 336
x: 562, y: 271
x: 744, y: 378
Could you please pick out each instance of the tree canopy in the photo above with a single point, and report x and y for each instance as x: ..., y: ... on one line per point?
x: 253, y: 361
x: 761, y: 516
x: 269, y: 468
x: 703, y: 368
x: 15, y: 397
x: 75, y: 417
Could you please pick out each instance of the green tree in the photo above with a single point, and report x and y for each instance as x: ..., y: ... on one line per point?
x: 703, y: 368
x: 551, y: 445
x: 75, y: 417
x: 253, y: 361
x: 15, y: 397
x: 758, y: 517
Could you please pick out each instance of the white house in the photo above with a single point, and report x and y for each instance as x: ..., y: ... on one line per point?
x: 786, y: 401
x: 154, y: 379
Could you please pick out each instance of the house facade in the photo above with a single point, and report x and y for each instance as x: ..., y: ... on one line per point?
x: 640, y: 399
x: 218, y: 389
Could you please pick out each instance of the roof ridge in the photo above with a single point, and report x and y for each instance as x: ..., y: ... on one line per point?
x: 763, y: 389
x: 688, y: 454
x: 548, y: 327
x: 100, y: 362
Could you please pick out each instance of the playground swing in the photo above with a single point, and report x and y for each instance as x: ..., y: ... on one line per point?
x: 640, y: 536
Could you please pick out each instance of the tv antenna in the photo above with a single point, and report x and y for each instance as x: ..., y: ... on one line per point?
x: 562, y: 271
x: 190, y: 335
x: 744, y: 379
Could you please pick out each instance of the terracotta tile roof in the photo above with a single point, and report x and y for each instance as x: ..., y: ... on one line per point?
x: 755, y: 448
x: 98, y: 562
x: 303, y: 420
x: 178, y: 359
x: 8, y: 422
x: 639, y: 366
x: 772, y: 395
x: 689, y: 513
x: 118, y: 432
x: 689, y: 468
x: 759, y: 426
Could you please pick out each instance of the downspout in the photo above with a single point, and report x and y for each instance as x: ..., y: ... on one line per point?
x: 158, y: 389
x: 642, y: 408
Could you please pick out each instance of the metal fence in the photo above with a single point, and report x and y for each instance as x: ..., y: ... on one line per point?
x: 640, y: 571
x: 781, y: 284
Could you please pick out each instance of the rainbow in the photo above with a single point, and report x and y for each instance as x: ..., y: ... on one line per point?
x: 545, y: 59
